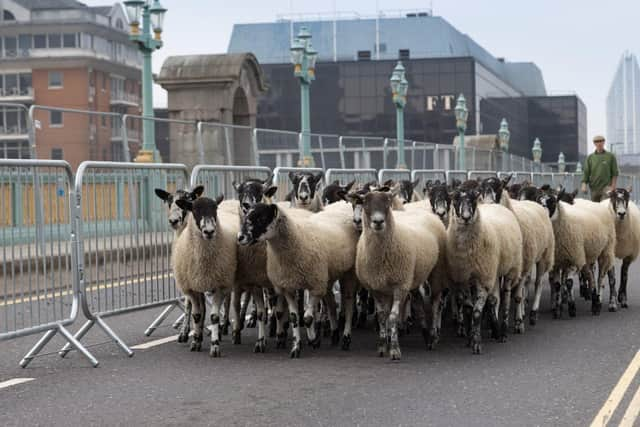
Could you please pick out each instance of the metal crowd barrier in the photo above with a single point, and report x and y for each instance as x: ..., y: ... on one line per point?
x: 456, y: 174
x: 345, y: 176
x: 40, y: 289
x: 124, y: 241
x: 481, y: 174
x: 426, y: 175
x: 219, y: 179
x: 282, y: 181
x: 394, y: 174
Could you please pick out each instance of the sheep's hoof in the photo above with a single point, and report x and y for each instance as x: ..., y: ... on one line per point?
x: 281, y: 340
x: 214, y: 351
x: 394, y: 352
x: 434, y: 338
x: 518, y: 327
x: 308, y: 321
x: 346, y: 342
x: 425, y: 337
x: 502, y: 338
x: 557, y: 311
x: 460, y: 330
x: 183, y: 337
x: 253, y: 319
x: 585, y: 292
x: 224, y: 328
x: 196, y: 345
x: 295, y: 352
x: 236, y: 337
x: 260, y: 346
x: 571, y: 308
x: 272, y: 327
x: 326, y: 329
x: 596, y: 305
x: 476, y: 348
x: 362, y: 319
x: 613, y: 305
x: 315, y: 343
x: 382, y: 346
x: 335, y: 337
x: 533, y: 317
x: 622, y: 299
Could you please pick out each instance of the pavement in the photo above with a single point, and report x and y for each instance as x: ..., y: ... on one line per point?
x: 560, y: 372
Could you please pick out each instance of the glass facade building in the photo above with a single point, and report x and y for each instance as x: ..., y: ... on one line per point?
x: 623, y: 107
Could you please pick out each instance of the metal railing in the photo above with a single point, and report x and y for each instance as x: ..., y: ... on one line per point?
x: 462, y: 176
x: 40, y: 289
x: 219, y: 179
x: 426, y: 175
x: 395, y: 174
x: 481, y: 174
x: 345, y: 176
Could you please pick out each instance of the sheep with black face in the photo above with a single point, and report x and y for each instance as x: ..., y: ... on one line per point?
x: 335, y: 192
x: 305, y: 194
x: 205, y: 259
x: 440, y: 200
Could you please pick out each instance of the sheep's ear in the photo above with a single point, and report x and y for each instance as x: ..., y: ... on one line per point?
x: 319, y: 177
x: 355, y: 197
x: 336, y: 182
x: 388, y: 183
x: 348, y: 187
x: 270, y: 192
x: 559, y: 188
x: 384, y: 189
x: 629, y: 188
x: 197, y: 192
x: 342, y: 194
x: 219, y: 199
x: 506, y: 179
x: 268, y: 180
x: 415, y: 183
x: 273, y: 210
x: 184, y: 204
x: 293, y: 177
x: 163, y: 195
x: 574, y: 193
x: 455, y: 183
x: 525, y: 183
x: 237, y: 186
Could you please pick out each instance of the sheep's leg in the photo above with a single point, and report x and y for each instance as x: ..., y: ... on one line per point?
x: 382, y: 313
x: 533, y: 314
x: 519, y: 297
x: 244, y: 298
x: 236, y: 316
x: 363, y: 301
x: 198, y: 313
x: 596, y: 304
x: 253, y: 314
x: 613, y: 300
x: 505, y: 310
x: 400, y: 297
x: 331, y: 311
x: 556, y: 294
x: 270, y: 302
x: 348, y: 286
x: 310, y: 313
x: 493, y: 304
x: 479, y: 300
x: 258, y: 299
x: 292, y: 302
x: 461, y: 329
x: 436, y: 319
x: 218, y: 298
x: 185, y: 327
x: 281, y: 311
x: 624, y: 275
x: 567, y: 283
x: 224, y: 317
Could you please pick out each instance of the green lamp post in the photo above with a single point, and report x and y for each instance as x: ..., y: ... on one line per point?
x: 503, y: 139
x: 462, y: 113
x: 151, y: 16
x: 537, y: 154
x: 303, y: 57
x: 399, y: 88
x: 562, y: 165
x: 579, y: 168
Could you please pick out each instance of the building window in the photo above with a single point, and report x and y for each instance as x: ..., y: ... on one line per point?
x: 56, y: 154
x: 55, y: 41
x: 69, y: 40
x: 55, y: 119
x: 119, y: 24
x: 8, y: 16
x: 10, y: 47
x: 55, y: 79
x: 404, y: 54
x: 24, y: 44
x: 40, y: 41
x: 364, y: 55
x: 104, y: 81
x: 25, y: 84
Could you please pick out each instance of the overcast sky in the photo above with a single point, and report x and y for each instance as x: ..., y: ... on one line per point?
x: 576, y: 43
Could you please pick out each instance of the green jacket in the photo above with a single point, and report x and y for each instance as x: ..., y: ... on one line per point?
x: 599, y: 169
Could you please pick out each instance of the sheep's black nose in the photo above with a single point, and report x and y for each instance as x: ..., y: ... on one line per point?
x: 208, y: 234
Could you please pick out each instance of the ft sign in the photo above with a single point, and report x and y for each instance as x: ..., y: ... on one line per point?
x: 444, y: 102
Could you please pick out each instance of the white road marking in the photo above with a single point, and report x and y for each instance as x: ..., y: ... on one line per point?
x: 631, y: 414
x: 150, y: 344
x: 15, y: 381
x: 614, y: 399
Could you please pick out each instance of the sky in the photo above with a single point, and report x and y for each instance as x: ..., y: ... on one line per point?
x: 576, y: 43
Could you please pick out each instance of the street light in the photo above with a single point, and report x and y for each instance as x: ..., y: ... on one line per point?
x: 537, y: 153
x: 152, y: 20
x: 561, y: 163
x: 579, y: 168
x: 462, y: 113
x: 303, y: 58
x: 399, y: 88
x: 503, y: 139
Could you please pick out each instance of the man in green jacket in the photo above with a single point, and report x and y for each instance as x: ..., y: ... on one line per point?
x: 600, y: 171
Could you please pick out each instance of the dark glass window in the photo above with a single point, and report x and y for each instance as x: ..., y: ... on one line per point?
x: 55, y: 79
x: 25, y: 83
x: 69, y: 40
x: 55, y: 118
x: 56, y: 154
x: 10, y: 47
x: 40, y: 41
x: 55, y: 41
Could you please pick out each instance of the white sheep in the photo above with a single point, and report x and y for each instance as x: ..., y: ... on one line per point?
x: 538, y: 248
x: 397, y: 252
x: 484, y: 244
x: 205, y: 259
x: 627, y: 220
x: 304, y: 253
x: 305, y: 193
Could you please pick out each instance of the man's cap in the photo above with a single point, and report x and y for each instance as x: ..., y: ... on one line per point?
x: 598, y: 138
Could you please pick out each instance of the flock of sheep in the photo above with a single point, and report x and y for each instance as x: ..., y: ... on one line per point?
x: 472, y: 246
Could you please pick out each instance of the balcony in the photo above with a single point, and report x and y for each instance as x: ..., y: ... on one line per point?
x: 125, y: 99
x: 13, y: 133
x: 16, y: 95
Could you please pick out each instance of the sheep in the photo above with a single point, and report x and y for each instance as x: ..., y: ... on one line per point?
x: 440, y: 200
x: 538, y: 247
x: 581, y: 240
x: 304, y: 253
x: 335, y: 192
x: 178, y: 221
x: 205, y: 259
x: 627, y: 221
x: 484, y: 244
x: 405, y: 190
x: 397, y: 252
x: 305, y: 194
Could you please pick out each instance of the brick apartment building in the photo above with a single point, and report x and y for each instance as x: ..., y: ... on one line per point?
x: 63, y: 53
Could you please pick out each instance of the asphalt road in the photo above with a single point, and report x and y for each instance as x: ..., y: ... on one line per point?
x: 560, y: 372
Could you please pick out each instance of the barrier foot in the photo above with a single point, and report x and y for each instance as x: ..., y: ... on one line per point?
x: 37, y: 348
x: 178, y: 322
x: 78, y: 336
x: 154, y: 325
x: 113, y: 336
x: 74, y: 342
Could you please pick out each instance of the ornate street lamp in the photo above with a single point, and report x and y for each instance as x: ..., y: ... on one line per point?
x: 537, y: 153
x: 503, y: 139
x: 303, y: 58
x: 579, y: 169
x: 462, y: 113
x: 561, y: 163
x: 399, y: 88
x: 152, y: 20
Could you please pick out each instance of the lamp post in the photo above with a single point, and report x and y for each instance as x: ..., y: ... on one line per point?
x: 151, y: 16
x: 461, y: 124
x: 503, y: 138
x: 303, y: 57
x: 537, y: 154
x: 399, y: 88
x: 561, y: 163
x: 579, y: 168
